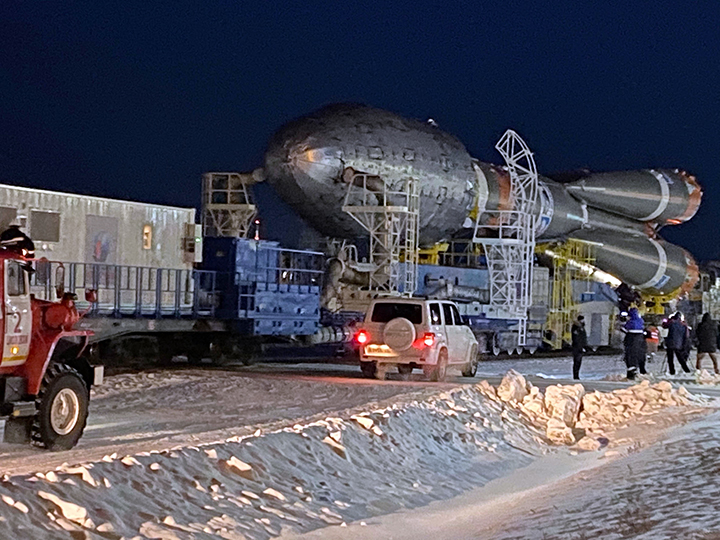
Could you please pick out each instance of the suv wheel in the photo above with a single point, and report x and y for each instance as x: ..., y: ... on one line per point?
x: 368, y: 369
x: 380, y: 371
x: 439, y: 371
x: 470, y: 369
x: 405, y: 370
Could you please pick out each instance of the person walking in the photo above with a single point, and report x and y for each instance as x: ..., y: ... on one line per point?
x: 675, y: 343
x: 579, y: 344
x: 707, y: 336
x: 635, y: 347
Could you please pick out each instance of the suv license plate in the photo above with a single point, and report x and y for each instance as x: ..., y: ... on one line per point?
x: 379, y: 350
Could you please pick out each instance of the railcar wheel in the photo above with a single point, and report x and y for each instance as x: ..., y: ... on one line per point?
x: 62, y: 409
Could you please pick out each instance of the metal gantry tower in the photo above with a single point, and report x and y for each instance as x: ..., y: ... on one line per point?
x: 510, y: 253
x: 227, y: 207
x: 391, y: 216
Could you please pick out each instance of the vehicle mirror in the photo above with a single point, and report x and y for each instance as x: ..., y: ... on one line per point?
x: 91, y: 295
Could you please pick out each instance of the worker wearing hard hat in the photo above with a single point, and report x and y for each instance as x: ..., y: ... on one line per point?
x: 13, y: 239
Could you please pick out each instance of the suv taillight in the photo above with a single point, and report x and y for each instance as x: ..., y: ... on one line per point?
x: 362, y: 337
x: 429, y: 339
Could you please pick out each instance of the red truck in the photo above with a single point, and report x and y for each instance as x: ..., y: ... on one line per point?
x: 45, y: 368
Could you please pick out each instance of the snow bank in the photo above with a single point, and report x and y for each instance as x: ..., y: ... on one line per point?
x: 569, y: 415
x: 359, y: 463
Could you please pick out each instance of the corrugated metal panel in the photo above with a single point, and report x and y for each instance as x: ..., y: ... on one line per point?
x: 86, y: 240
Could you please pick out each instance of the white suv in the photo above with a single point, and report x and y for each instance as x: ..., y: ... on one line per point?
x: 415, y: 333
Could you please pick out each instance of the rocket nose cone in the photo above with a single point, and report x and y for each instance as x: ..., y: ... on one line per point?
x: 299, y: 161
x: 309, y: 178
x: 321, y: 164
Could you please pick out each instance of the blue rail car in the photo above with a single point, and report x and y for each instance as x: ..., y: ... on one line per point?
x: 245, y: 288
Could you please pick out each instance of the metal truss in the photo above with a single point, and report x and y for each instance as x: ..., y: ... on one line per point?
x: 510, y: 251
x: 227, y: 208
x: 390, y: 214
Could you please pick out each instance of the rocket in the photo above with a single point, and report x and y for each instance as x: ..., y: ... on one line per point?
x: 620, y: 213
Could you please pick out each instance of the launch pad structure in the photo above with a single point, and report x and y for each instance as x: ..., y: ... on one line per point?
x: 391, y: 216
x: 227, y: 205
x: 510, y: 254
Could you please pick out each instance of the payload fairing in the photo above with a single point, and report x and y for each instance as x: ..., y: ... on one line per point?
x: 620, y: 212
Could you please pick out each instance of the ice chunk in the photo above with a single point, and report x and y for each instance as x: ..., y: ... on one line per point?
x: 71, y: 511
x: 240, y: 467
x: 276, y: 494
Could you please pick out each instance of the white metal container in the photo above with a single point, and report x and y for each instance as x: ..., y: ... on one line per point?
x: 79, y: 228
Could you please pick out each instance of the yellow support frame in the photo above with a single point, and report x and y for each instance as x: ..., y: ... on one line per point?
x: 569, y: 258
x: 659, y: 302
x: 431, y: 255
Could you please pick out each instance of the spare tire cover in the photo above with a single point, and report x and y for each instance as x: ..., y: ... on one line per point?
x: 399, y: 334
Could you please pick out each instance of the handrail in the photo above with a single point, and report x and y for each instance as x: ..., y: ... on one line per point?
x: 152, y: 292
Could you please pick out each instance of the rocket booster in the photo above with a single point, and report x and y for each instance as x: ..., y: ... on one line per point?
x: 308, y: 159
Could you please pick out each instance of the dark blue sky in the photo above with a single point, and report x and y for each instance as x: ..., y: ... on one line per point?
x: 135, y: 99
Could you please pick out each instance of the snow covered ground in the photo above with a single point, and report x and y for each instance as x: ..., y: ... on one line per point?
x: 160, y: 409
x: 221, y: 454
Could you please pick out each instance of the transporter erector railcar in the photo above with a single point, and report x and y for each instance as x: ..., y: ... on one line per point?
x: 207, y: 297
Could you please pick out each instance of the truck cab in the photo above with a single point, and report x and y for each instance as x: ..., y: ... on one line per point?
x: 45, y: 372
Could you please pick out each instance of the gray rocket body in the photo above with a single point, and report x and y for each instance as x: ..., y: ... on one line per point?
x: 619, y: 211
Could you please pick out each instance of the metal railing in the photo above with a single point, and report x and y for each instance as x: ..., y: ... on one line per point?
x: 130, y: 291
x: 137, y: 291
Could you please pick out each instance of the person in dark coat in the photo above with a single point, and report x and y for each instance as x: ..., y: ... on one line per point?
x: 635, y: 347
x: 675, y: 343
x: 13, y: 239
x: 707, y: 336
x: 579, y: 344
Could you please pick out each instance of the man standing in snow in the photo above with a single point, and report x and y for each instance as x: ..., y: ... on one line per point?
x: 675, y: 343
x: 579, y: 343
x: 707, y: 336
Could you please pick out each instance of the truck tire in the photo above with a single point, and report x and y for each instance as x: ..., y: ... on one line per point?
x: 470, y: 369
x: 62, y: 409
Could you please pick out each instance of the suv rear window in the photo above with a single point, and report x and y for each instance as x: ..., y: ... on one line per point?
x: 387, y: 311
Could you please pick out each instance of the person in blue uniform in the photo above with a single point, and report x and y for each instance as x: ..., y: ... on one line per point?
x: 635, y: 346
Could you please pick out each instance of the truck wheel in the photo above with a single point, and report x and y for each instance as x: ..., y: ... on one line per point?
x: 439, y: 371
x: 62, y: 409
x: 470, y: 369
x: 368, y: 369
